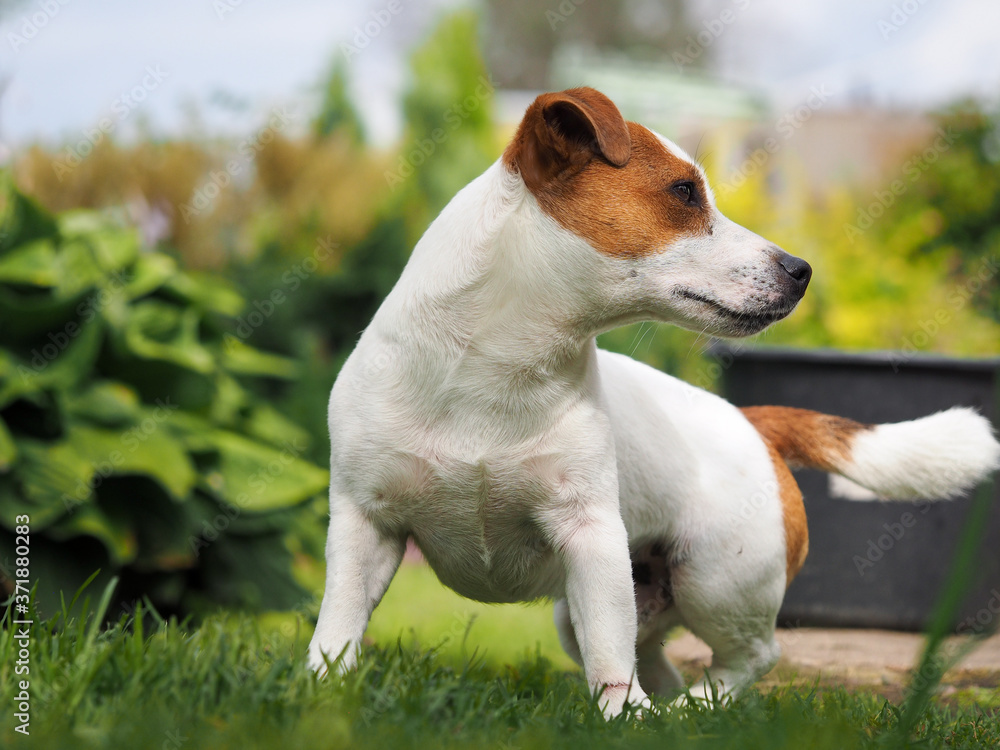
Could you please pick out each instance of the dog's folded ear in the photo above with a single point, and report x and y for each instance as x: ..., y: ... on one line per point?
x: 563, y: 131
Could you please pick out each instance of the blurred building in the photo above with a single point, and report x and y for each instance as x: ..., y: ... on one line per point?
x: 738, y: 128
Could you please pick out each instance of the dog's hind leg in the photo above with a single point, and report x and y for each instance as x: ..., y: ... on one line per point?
x: 737, y: 622
x: 735, y: 667
x: 657, y: 675
x: 564, y: 627
x: 361, y: 561
x: 655, y: 672
x: 728, y: 592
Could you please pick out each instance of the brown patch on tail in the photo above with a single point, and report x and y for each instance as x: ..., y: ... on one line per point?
x: 806, y: 438
x: 794, y: 514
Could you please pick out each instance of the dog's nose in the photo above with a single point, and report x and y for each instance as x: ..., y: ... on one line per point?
x: 797, y: 269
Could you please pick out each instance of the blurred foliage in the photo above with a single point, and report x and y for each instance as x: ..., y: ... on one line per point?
x: 336, y: 112
x: 902, y: 281
x: 313, y: 230
x: 126, y: 433
x: 448, y: 109
x: 521, y: 36
x: 955, y: 211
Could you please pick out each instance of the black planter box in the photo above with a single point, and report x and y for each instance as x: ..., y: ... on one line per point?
x: 875, y: 564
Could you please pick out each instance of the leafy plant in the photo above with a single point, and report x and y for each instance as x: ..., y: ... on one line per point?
x: 127, y: 435
x: 957, y: 204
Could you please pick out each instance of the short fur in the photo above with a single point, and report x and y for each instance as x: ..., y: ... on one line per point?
x: 477, y: 416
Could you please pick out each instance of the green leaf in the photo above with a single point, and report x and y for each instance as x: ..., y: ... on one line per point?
x: 78, y: 268
x: 163, y: 527
x: 210, y: 294
x: 162, y: 331
x: 14, y: 504
x: 256, y: 477
x: 229, y: 402
x: 149, y: 273
x: 193, y: 431
x: 112, y: 247
x: 33, y: 264
x: 28, y: 315
x: 63, y: 474
x: 106, y: 402
x: 21, y: 219
x: 53, y: 475
x: 252, y: 571
x: 145, y: 448
x: 81, y: 223
x: 268, y: 424
x: 241, y: 359
x: 89, y: 520
x: 115, y: 248
x: 8, y: 448
x: 49, y: 366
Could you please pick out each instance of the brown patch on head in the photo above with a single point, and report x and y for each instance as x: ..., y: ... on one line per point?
x: 794, y: 515
x: 613, y: 183
x: 563, y: 131
x: 806, y: 438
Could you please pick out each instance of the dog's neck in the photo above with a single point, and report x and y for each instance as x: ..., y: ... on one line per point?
x: 498, y: 294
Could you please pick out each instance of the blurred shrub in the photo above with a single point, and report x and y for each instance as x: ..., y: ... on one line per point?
x: 955, y: 206
x: 318, y: 218
x: 335, y: 241
x: 337, y: 113
x: 448, y: 108
x: 127, y: 434
x: 314, y: 230
x: 917, y: 272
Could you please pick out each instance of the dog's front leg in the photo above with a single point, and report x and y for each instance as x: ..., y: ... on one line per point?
x: 601, y: 600
x: 360, y: 562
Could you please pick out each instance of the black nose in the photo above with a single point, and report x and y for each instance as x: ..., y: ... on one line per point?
x: 799, y: 271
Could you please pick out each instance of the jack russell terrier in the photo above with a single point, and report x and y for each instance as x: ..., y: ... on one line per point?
x: 478, y: 416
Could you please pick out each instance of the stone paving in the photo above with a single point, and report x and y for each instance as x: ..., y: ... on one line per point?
x: 877, y: 659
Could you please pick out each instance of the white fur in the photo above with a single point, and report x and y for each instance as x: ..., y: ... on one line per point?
x: 477, y: 415
x: 937, y: 457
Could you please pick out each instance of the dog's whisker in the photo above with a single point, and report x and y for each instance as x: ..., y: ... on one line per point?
x: 639, y: 343
x: 636, y: 339
x: 656, y: 329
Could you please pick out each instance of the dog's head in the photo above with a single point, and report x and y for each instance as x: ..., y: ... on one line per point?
x: 633, y: 196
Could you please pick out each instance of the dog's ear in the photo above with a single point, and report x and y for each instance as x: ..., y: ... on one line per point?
x: 564, y: 131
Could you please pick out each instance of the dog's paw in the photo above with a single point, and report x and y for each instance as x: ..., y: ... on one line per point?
x: 700, y: 696
x: 645, y: 708
x: 322, y: 661
x: 615, y: 697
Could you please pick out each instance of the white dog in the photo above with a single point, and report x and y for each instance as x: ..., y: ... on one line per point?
x: 477, y: 415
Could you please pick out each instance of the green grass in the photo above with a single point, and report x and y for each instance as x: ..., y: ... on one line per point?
x: 239, y: 682
x: 435, y: 616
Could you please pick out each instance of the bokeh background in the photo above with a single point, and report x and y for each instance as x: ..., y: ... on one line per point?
x: 203, y: 203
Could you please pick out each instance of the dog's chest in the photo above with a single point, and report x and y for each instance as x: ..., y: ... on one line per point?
x: 475, y: 521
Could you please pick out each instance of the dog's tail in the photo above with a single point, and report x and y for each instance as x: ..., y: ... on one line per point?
x: 937, y: 457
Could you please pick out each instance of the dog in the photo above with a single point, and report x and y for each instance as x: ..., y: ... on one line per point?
x: 477, y: 415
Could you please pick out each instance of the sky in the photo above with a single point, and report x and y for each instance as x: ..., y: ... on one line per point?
x: 221, y: 66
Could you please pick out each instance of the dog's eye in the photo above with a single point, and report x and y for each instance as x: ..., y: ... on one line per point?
x: 686, y: 191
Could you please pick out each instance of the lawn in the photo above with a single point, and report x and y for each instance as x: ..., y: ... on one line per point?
x: 239, y: 681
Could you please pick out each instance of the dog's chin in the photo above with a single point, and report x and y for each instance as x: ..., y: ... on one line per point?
x: 718, y: 319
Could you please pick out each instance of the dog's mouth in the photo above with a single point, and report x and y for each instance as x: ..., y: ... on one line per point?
x: 737, y: 323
